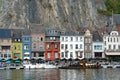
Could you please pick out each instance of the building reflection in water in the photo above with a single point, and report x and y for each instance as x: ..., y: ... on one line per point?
x: 16, y: 75
x: 72, y: 74
x: 60, y: 74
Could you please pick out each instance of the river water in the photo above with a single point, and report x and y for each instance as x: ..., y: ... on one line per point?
x: 61, y: 74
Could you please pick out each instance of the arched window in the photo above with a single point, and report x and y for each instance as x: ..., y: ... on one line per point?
x: 114, y: 39
x: 41, y: 39
x: 108, y: 40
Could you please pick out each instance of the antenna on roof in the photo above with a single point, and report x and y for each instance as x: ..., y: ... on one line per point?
x: 112, y: 18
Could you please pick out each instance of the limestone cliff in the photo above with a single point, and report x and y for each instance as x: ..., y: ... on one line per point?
x: 63, y: 14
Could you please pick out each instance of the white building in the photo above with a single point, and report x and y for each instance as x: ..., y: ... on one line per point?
x: 71, y: 45
x: 112, y: 44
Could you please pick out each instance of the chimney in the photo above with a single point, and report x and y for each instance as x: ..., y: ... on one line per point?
x: 105, y: 29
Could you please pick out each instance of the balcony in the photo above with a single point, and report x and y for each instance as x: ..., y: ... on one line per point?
x: 111, y: 50
x: 7, y: 50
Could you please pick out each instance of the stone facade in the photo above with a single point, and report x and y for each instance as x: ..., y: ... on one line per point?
x: 38, y: 45
x: 88, y: 44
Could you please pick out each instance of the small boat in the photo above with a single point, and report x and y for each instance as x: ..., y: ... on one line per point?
x: 50, y: 66
x: 15, y: 66
x: 39, y: 66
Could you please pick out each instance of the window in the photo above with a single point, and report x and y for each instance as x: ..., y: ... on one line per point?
x: 5, y: 55
x: 117, y: 39
x: 71, y: 54
x: 87, y: 40
x: 26, y: 55
x: 95, y: 47
x: 66, y: 46
x: 109, y: 46
x: 50, y: 38
x: 111, y: 39
x: 66, y: 54
x: 76, y: 54
x: 48, y: 55
x: 71, y: 46
x: 62, y: 46
x: 41, y: 46
x: 1, y: 55
x: 80, y: 46
x: 41, y: 54
x: 66, y: 38
x: 76, y: 46
x: 98, y: 47
x: 90, y: 48
x: 62, y: 38
x: 26, y: 47
x: 114, y: 40
x: 34, y: 45
x: 85, y: 47
x: 18, y: 40
x: 56, y: 55
x: 18, y: 47
x: 62, y: 54
x: 118, y: 46
x: 105, y: 42
x: 34, y: 54
x: 56, y: 46
x: 76, y: 38
x: 114, y: 46
x: 26, y: 39
x: 14, y: 47
x: 54, y: 38
x: 48, y: 46
x: 9, y: 55
x: 80, y: 38
x: 71, y: 38
x: 41, y: 39
x: 15, y: 39
x: 37, y: 38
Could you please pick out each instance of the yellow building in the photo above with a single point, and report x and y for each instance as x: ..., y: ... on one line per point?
x: 16, y: 43
x: 16, y: 50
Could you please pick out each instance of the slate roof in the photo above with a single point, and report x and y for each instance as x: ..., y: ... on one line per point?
x: 116, y: 18
x: 96, y: 36
x: 37, y: 29
x: 17, y: 33
x: 5, y: 33
x: 52, y: 32
x: 71, y: 33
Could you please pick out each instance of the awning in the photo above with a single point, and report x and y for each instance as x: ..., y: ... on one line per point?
x: 26, y: 53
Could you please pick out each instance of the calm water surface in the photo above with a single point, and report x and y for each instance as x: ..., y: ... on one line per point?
x: 61, y: 74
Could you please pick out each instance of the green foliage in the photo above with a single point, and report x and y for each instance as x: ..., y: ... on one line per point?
x: 104, y: 12
x: 112, y: 6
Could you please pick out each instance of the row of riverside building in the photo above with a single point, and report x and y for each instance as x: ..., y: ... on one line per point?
x: 52, y: 44
x: 36, y: 42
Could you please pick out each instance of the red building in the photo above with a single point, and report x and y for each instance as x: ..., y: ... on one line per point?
x: 52, y: 44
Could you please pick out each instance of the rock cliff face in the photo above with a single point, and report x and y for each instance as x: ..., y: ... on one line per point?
x: 63, y: 14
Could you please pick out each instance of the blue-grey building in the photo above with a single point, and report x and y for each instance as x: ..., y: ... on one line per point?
x: 26, y: 44
x: 97, y: 46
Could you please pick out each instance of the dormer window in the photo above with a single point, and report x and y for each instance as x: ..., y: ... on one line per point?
x: 50, y: 38
x: 114, y: 33
x: 15, y: 39
x: 54, y: 38
x: 19, y: 40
